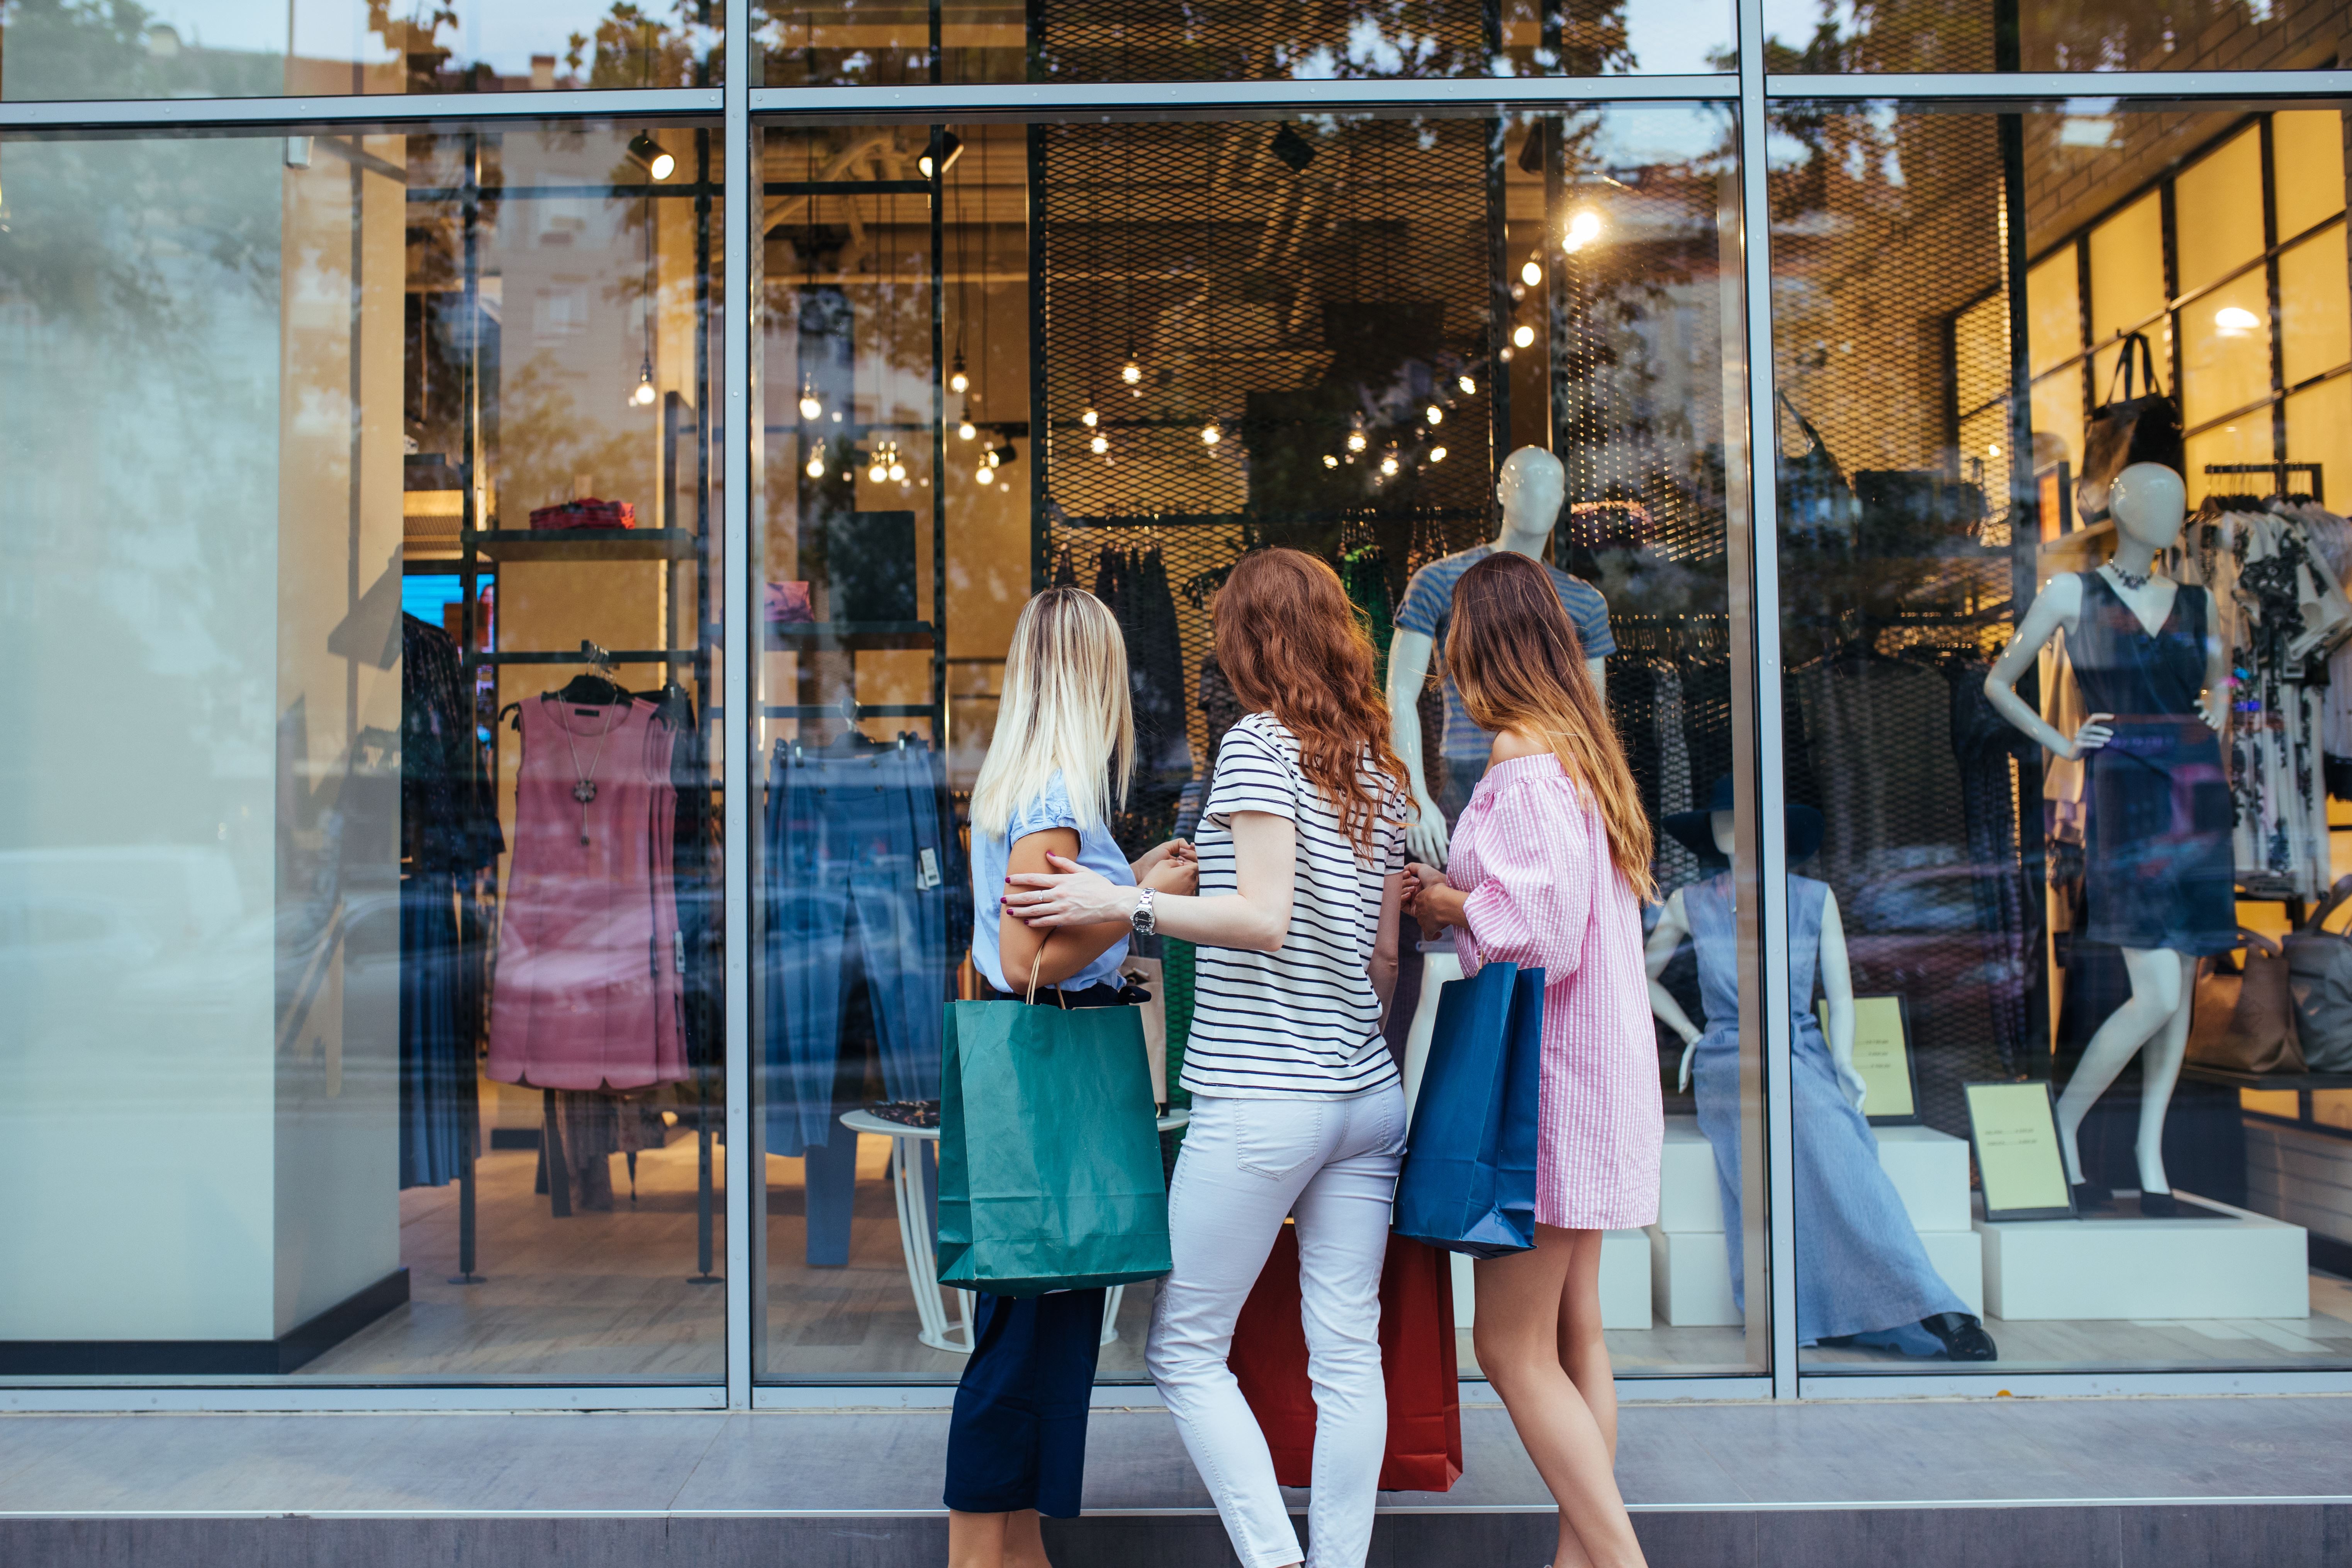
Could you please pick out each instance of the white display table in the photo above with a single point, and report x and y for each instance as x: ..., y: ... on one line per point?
x: 915, y: 1233
x: 2114, y: 1265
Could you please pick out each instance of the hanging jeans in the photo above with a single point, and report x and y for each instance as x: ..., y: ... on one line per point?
x: 851, y: 839
x: 1246, y: 1165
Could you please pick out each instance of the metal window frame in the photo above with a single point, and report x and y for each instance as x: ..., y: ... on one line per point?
x: 1751, y: 92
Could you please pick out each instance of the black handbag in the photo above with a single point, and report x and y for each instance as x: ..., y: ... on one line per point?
x: 2142, y: 428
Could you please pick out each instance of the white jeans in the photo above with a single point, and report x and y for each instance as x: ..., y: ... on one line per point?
x: 1246, y: 1165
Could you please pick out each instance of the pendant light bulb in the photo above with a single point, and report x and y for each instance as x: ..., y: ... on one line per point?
x: 1389, y: 464
x: 1521, y: 336
x: 1437, y: 454
x: 1355, y: 440
x: 1469, y: 387
x: 957, y: 381
x: 1505, y: 354
x: 1090, y: 419
x: 967, y: 430
x: 1330, y: 461
x: 984, y: 475
x: 1436, y: 415
x: 645, y: 394
x: 1532, y: 273
x: 898, y: 472
x: 816, y: 467
x: 1100, y: 444
x: 811, y: 407
x: 877, y: 470
x: 995, y: 459
x: 1130, y: 373
x: 1211, y: 435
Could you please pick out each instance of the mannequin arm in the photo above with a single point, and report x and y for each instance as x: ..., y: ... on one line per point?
x: 1837, y: 987
x: 2215, y: 706
x: 1409, y: 656
x: 1674, y: 925
x: 2054, y: 608
x: 1599, y: 669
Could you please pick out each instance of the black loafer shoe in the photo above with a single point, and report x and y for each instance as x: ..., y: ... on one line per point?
x: 1963, y: 1335
x: 2089, y: 1195
x: 2158, y: 1205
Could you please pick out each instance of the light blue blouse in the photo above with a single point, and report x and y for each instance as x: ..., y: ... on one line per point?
x: 989, y: 856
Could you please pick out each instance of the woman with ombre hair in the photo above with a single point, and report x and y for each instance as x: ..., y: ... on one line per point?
x: 1548, y: 864
x: 1297, y: 1106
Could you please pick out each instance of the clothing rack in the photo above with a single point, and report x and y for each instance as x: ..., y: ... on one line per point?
x: 2279, y: 473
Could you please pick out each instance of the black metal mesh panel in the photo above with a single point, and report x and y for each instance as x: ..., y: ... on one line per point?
x: 1307, y: 296
x: 1891, y: 332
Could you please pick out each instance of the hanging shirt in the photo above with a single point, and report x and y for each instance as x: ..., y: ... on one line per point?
x: 989, y: 855
x: 1428, y: 608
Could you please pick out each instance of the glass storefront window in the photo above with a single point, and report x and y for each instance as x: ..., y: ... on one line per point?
x: 2058, y: 963
x: 844, y: 44
x: 1118, y: 354
x: 232, y: 49
x: 359, y: 925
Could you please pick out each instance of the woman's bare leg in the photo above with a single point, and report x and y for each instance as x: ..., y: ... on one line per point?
x: 996, y: 1539
x: 1538, y: 1311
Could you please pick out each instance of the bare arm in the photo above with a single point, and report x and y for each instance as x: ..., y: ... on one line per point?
x: 1409, y: 656
x: 1384, y: 942
x: 1256, y: 917
x: 1837, y: 989
x: 2054, y: 609
x: 1074, y: 947
x: 1674, y: 925
x: 2215, y: 708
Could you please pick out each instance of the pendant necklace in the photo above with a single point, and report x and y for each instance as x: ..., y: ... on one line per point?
x: 2133, y: 582
x: 584, y: 790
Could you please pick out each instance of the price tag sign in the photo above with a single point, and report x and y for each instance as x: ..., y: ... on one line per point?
x: 1882, y: 1055
x: 2014, y: 1127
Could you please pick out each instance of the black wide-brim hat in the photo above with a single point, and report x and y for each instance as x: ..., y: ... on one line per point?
x: 1695, y: 830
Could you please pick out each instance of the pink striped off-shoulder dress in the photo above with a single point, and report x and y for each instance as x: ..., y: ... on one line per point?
x: 1531, y: 853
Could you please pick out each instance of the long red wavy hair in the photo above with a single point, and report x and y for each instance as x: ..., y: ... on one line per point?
x: 1293, y: 645
x: 1516, y: 658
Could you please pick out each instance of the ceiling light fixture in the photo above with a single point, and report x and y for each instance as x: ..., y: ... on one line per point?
x: 645, y: 394
x: 1292, y: 149
x: 647, y: 155
x: 950, y: 149
x: 957, y: 381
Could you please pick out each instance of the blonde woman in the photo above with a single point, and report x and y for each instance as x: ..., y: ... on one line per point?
x: 1057, y: 768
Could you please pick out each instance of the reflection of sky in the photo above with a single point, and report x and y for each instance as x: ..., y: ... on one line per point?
x: 1673, y: 37
x: 505, y: 33
x: 426, y: 596
x: 1633, y: 136
x: 1794, y: 22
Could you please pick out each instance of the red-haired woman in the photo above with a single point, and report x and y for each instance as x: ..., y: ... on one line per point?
x: 1297, y: 1108
x: 1548, y: 862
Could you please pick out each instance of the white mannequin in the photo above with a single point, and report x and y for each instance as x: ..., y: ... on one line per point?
x: 1836, y: 973
x: 1530, y: 490
x: 2150, y: 504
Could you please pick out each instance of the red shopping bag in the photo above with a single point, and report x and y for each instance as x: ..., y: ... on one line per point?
x: 1269, y: 1359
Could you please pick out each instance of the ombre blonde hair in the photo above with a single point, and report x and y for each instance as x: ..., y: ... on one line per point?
x: 1065, y: 709
x: 1516, y: 660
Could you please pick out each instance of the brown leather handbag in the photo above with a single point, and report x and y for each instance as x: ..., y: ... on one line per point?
x: 2246, y: 1022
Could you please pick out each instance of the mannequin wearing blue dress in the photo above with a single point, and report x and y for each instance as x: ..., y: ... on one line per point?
x: 1861, y: 1274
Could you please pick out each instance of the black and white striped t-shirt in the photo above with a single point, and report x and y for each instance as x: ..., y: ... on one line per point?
x: 1303, y: 1023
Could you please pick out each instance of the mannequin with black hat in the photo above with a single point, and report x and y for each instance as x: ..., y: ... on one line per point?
x: 1862, y: 1275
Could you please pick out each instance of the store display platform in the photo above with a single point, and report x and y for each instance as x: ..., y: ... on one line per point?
x: 2086, y: 1483
x: 2210, y: 1261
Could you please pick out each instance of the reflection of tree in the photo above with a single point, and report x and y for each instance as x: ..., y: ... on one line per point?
x: 544, y: 439
x: 1858, y: 36
x: 631, y: 48
x: 115, y: 49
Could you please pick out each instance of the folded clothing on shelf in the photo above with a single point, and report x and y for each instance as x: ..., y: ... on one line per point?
x: 585, y: 512
x: 787, y: 603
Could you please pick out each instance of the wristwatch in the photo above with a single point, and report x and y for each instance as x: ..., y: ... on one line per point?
x: 1141, y: 918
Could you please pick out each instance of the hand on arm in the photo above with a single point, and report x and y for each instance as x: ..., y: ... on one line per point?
x: 1429, y: 898
x: 1256, y: 918
x: 2057, y: 607
x: 1070, y: 950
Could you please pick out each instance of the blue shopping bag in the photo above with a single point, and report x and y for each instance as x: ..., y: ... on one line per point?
x: 1469, y: 1180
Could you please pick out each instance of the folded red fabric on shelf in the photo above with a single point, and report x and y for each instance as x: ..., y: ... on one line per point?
x: 585, y: 512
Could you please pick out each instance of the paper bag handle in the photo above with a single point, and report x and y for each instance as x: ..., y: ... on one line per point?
x: 1038, y: 963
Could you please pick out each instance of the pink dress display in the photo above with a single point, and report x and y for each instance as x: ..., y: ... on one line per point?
x: 1531, y: 853
x: 588, y: 993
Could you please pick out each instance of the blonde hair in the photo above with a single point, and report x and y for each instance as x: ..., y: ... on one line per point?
x: 1065, y: 709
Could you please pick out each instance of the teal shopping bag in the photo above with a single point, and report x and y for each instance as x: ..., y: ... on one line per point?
x: 1049, y: 1152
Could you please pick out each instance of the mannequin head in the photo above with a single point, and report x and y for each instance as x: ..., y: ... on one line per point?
x: 2148, y: 502
x: 1727, y: 832
x: 1530, y: 490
